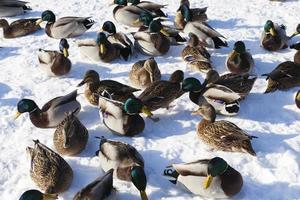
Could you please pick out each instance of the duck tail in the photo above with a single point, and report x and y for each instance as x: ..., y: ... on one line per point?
x: 88, y: 23
x: 219, y: 43
x: 171, y: 174
x: 178, y: 38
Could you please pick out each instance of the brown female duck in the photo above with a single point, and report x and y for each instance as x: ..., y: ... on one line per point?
x: 19, y: 28
x: 297, y: 54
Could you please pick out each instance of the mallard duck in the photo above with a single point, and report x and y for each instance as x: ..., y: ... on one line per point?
x: 19, y: 28
x: 160, y: 94
x: 222, y: 135
x: 297, y: 32
x: 48, y: 170
x: 65, y: 27
x: 94, y: 87
x: 297, y: 54
x: 10, y: 8
x: 274, y: 37
x: 56, y: 63
x: 149, y: 6
x: 52, y: 113
x: 239, y: 61
x: 120, y: 38
x: 126, y: 161
x: 70, y: 136
x: 286, y: 75
x: 101, y: 188
x: 218, y: 179
x: 297, y: 99
x: 37, y: 195
x: 195, y: 14
x: 223, y: 99
x: 196, y: 56
x: 143, y: 73
x: 153, y: 42
x: 172, y: 34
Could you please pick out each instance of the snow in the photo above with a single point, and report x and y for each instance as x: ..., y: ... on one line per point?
x: 274, y: 118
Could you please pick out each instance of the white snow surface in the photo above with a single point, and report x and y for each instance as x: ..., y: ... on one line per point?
x: 274, y: 118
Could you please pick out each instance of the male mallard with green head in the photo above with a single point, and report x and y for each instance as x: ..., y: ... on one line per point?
x: 52, y: 113
x: 222, y: 135
x: 144, y: 73
x: 153, y: 42
x: 161, y: 94
x: 101, y: 188
x: 126, y: 161
x: 297, y: 54
x: 196, y: 56
x: 95, y: 86
x: 65, y: 27
x: 70, y: 136
x: 274, y: 37
x: 19, y: 28
x: 11, y: 8
x: 37, y: 195
x: 239, y: 61
x: 48, y: 170
x: 56, y: 63
x: 210, y: 178
x: 285, y: 76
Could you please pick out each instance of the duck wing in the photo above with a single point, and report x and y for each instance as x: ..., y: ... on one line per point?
x: 214, y: 91
x: 207, y: 29
x: 61, y: 100
x: 286, y: 70
x: 116, y: 87
x: 197, y: 168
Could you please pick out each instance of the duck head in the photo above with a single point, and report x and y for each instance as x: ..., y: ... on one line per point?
x: 191, y: 85
x: 216, y: 167
x: 25, y: 105
x: 91, y: 76
x: 206, y: 110
x: 145, y: 17
x: 102, y: 41
x: 269, y: 28
x: 37, y: 195
x: 139, y: 180
x: 297, y: 31
x: 156, y: 27
x: 3, y: 23
x: 134, y: 106
x: 109, y: 27
x: 63, y: 47
x: 134, y: 2
x: 121, y: 2
x: 47, y: 16
x: 238, y: 48
x: 186, y: 12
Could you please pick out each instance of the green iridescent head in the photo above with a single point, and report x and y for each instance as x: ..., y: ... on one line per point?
x: 239, y: 47
x: 48, y: 16
x: 186, y: 12
x: 216, y: 167
x: 155, y: 26
x: 26, y: 105
x: 139, y: 180
x: 109, y: 27
x: 133, y: 106
x: 37, y: 195
x: 146, y: 18
x: 120, y: 2
x: 268, y: 26
x: 191, y: 85
x: 134, y: 2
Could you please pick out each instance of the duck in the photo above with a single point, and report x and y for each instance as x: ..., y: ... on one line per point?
x: 223, y: 99
x: 196, y: 56
x: 11, y: 8
x: 161, y: 94
x: 95, y: 86
x: 222, y: 135
x: 19, y: 28
x: 101, y: 49
x: 297, y: 99
x: 55, y: 63
x: 120, y: 38
x: 101, y: 188
x: 195, y: 14
x: 149, y: 6
x: 285, y: 76
x: 71, y: 136
x: 123, y: 118
x: 52, y: 113
x: 239, y: 61
x: 127, y: 162
x: 297, y: 32
x: 217, y: 178
x: 37, y: 195
x: 49, y: 170
x: 297, y: 54
x: 65, y: 27
x: 143, y: 73
x: 274, y: 36
x: 172, y: 34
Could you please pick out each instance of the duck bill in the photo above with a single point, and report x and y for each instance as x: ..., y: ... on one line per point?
x: 17, y: 115
x: 294, y: 34
x: 164, y: 32
x: 298, y: 96
x: 195, y: 112
x: 207, y: 181
x: 50, y: 196
x: 272, y: 31
x: 38, y: 22
x: 136, y: 22
x: 102, y: 48
x: 232, y: 55
x: 66, y: 52
x: 81, y: 83
x: 143, y: 195
x: 146, y: 111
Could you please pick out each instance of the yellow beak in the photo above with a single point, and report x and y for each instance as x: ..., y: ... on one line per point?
x: 272, y: 31
x: 146, y: 111
x: 207, y: 181
x: 38, y: 22
x: 298, y: 96
x: 136, y: 22
x: 66, y: 53
x: 17, y: 115
x: 164, y: 32
x: 143, y: 195
x: 294, y: 34
x: 102, y: 48
x: 232, y: 55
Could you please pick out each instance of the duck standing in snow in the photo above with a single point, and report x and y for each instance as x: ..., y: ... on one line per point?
x: 222, y: 135
x: 37, y: 195
x: 297, y: 54
x: 55, y: 63
x: 52, y: 113
x: 127, y: 162
x: 11, y: 8
x: 218, y: 179
x: 274, y: 37
x: 19, y: 28
x: 65, y: 27
x: 239, y: 61
x: 48, y: 170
